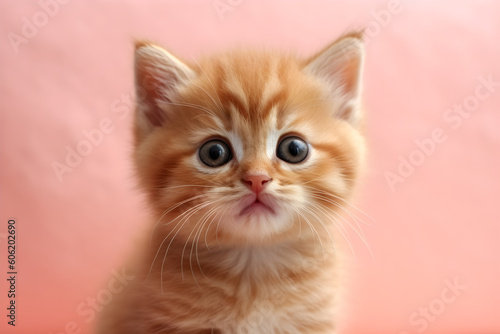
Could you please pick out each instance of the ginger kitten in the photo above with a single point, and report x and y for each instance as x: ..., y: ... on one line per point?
x: 248, y: 159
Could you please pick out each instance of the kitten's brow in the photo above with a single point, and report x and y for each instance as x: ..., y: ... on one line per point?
x: 219, y: 106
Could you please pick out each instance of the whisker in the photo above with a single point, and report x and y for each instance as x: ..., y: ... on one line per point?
x: 359, y: 230
x: 312, y: 229
x: 200, y: 207
x: 219, y: 106
x: 161, y: 245
x: 212, y: 213
x: 170, y: 209
x: 189, y: 185
x: 210, y: 96
x: 208, y: 228
x: 339, y: 227
x: 164, y: 239
x: 190, y: 105
x: 218, y: 224
x: 192, y: 243
x: 183, y: 220
x: 360, y: 235
x: 327, y: 197
x: 320, y: 221
x: 344, y: 200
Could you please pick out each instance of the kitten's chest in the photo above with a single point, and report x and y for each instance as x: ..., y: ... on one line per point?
x: 276, y: 292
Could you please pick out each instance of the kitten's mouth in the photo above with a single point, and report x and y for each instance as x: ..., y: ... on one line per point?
x: 256, y: 207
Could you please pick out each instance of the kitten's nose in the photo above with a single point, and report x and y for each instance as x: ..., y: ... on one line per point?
x: 256, y: 182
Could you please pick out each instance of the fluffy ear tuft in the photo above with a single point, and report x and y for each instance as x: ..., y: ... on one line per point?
x: 340, y: 65
x: 158, y: 77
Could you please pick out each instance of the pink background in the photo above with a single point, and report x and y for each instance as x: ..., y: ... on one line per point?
x: 441, y: 223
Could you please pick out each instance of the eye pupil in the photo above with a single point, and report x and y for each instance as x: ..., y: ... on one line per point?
x: 292, y: 150
x: 215, y: 151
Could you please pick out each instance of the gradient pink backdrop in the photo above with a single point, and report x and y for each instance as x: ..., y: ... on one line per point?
x: 442, y: 223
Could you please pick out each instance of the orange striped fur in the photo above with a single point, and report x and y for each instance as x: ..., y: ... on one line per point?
x: 209, y: 268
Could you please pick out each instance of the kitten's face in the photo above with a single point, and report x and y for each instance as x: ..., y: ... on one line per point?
x: 248, y: 147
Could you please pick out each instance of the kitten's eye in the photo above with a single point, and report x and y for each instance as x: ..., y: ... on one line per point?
x: 215, y: 153
x: 292, y: 150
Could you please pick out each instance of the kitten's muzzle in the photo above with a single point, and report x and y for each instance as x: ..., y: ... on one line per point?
x: 256, y: 182
x: 257, y: 204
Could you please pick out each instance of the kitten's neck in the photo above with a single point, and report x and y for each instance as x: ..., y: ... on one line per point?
x: 253, y: 261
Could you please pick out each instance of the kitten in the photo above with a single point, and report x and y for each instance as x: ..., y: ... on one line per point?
x: 247, y: 158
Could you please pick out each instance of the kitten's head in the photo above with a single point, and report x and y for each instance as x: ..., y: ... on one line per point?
x: 249, y: 147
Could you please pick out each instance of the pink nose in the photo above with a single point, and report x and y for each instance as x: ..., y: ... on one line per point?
x: 256, y: 182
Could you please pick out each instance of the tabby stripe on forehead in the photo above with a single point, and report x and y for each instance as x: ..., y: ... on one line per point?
x: 273, y: 101
x: 226, y: 97
x: 225, y: 116
x: 230, y: 98
x: 275, y: 78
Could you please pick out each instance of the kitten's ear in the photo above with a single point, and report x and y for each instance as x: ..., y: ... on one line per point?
x: 158, y: 77
x: 340, y: 65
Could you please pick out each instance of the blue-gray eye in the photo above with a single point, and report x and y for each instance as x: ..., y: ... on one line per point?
x: 215, y: 153
x: 292, y: 150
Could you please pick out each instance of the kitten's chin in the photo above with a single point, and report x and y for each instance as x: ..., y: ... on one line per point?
x: 255, y: 228
x: 257, y: 220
